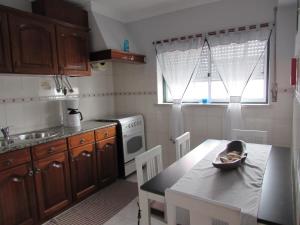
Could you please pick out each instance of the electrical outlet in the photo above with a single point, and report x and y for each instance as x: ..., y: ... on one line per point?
x: 46, y: 85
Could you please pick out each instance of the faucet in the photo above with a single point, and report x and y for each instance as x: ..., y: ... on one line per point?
x: 5, y: 132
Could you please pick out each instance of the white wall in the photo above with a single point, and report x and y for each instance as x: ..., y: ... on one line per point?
x: 25, y: 101
x: 205, y: 121
x: 296, y: 156
x: 107, y: 33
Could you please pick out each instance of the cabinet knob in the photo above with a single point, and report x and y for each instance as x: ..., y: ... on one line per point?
x: 8, y: 162
x: 30, y: 173
x: 51, y: 150
x: 86, y: 154
x: 37, y: 170
x: 108, y: 145
x: 17, y: 179
x: 57, y: 165
x: 82, y: 141
x: 106, y: 134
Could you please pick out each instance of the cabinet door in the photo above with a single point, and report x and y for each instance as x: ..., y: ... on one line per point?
x: 52, y: 177
x: 107, y: 161
x: 83, y: 170
x: 5, y: 57
x: 73, y: 53
x: 33, y: 46
x: 17, y: 204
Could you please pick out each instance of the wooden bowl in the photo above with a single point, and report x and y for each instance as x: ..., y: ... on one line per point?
x: 238, y: 147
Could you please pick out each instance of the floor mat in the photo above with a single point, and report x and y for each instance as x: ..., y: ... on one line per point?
x: 100, y: 207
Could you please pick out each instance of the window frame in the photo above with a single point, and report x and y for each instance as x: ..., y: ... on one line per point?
x: 221, y: 102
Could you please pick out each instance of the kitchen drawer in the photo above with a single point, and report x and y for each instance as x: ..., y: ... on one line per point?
x: 105, y: 133
x: 12, y: 159
x: 81, y: 139
x: 44, y: 150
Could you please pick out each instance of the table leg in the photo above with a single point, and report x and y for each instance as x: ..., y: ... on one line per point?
x: 145, y: 210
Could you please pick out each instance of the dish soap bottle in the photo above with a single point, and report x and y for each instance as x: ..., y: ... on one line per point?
x: 126, y: 46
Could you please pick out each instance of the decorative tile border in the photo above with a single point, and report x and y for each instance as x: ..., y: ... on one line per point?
x: 136, y: 93
x: 83, y: 95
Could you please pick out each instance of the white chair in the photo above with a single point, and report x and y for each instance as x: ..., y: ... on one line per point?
x: 148, y: 165
x: 251, y: 136
x: 182, y: 144
x: 201, y: 212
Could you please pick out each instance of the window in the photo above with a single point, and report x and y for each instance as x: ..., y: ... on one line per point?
x: 207, y: 85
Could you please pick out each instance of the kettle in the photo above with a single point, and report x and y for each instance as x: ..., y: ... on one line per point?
x: 74, y: 117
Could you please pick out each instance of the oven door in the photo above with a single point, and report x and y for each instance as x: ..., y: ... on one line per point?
x: 133, y: 145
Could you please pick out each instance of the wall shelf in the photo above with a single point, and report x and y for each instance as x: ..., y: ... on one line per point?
x: 117, y: 56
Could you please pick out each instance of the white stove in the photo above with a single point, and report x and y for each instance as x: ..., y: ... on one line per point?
x: 131, y: 140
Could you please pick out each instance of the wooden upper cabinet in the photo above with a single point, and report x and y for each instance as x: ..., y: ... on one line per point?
x: 5, y: 57
x: 17, y: 203
x: 53, y: 185
x: 33, y: 45
x: 73, y: 51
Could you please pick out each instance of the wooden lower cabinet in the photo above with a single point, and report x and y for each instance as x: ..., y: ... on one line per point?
x: 33, y: 191
x: 107, y: 161
x: 17, y: 202
x: 84, y: 173
x: 53, y: 185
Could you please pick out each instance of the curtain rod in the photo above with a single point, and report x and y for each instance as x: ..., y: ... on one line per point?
x: 223, y: 31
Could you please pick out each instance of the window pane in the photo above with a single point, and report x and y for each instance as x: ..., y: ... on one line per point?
x: 198, y: 88
x: 196, y: 92
x: 211, y: 87
x: 255, y: 91
x: 218, y: 92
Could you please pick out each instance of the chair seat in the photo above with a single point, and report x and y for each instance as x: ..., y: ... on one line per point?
x: 157, y: 209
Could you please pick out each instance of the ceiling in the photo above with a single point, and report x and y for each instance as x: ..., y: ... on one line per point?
x: 134, y: 10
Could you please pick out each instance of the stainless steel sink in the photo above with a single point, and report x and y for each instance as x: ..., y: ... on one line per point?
x: 4, y: 143
x: 35, y: 135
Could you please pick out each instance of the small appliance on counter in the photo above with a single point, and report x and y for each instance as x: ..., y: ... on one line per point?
x: 130, y: 141
x: 71, y: 116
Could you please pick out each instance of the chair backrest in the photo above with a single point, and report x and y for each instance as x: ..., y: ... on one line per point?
x: 182, y: 144
x: 148, y: 164
x: 251, y: 136
x: 201, y: 212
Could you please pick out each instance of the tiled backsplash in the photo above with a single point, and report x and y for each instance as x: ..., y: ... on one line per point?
x: 29, y: 103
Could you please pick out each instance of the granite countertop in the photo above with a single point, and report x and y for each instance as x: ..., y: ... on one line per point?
x: 62, y: 132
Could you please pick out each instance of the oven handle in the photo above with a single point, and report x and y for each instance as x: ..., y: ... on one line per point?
x: 139, y: 133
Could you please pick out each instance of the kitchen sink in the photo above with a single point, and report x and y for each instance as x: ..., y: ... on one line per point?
x: 4, y: 143
x: 35, y: 135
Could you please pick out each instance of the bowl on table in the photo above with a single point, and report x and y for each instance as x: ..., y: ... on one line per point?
x: 232, y: 157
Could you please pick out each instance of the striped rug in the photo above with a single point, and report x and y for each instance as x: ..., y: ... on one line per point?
x: 100, y: 207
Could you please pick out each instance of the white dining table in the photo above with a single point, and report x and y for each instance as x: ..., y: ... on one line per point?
x: 268, y: 212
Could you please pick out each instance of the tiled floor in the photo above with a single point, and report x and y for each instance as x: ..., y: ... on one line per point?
x: 128, y: 215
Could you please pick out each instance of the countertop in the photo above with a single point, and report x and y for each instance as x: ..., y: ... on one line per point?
x: 62, y: 132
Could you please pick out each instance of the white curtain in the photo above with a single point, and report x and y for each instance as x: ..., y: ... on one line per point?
x: 178, y: 60
x: 235, y: 55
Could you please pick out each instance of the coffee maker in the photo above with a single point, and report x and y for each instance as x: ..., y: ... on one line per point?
x: 72, y: 117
